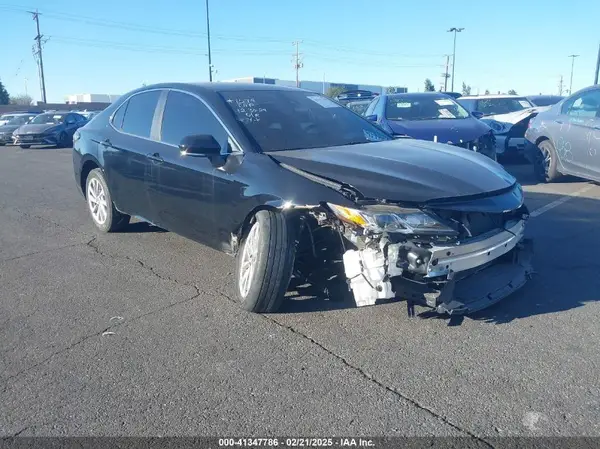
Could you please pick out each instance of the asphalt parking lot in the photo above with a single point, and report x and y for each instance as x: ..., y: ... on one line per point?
x: 136, y: 334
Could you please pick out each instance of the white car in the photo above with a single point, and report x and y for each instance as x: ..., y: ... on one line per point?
x: 507, y: 115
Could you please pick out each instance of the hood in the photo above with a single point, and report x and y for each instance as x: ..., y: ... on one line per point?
x: 404, y: 170
x: 8, y: 128
x: 513, y: 118
x: 446, y: 130
x: 36, y: 129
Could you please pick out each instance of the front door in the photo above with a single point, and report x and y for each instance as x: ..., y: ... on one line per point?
x: 583, y: 132
x: 182, y: 192
x: 126, y: 151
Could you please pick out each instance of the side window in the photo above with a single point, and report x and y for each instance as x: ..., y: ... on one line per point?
x: 185, y: 115
x: 585, y: 105
x: 140, y: 113
x: 371, y: 108
x: 117, y: 119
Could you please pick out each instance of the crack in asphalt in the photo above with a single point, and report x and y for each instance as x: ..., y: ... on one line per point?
x: 370, y: 377
x: 43, y: 251
x: 47, y: 220
x: 94, y: 245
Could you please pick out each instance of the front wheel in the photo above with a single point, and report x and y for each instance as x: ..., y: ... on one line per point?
x: 265, y: 262
x: 63, y: 140
x: 102, y: 210
x: 545, y: 163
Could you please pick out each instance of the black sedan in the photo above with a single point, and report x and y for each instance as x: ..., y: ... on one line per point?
x: 296, y: 186
x: 50, y: 128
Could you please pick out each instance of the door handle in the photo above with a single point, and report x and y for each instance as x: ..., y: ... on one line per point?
x: 154, y: 157
x: 560, y: 122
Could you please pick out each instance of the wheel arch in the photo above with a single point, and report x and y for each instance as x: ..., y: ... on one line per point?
x: 90, y: 163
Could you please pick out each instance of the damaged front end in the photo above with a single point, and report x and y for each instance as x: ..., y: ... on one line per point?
x: 456, y: 258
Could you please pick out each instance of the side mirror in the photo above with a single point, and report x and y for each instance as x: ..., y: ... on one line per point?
x: 200, y: 145
x: 477, y: 114
x: 372, y: 118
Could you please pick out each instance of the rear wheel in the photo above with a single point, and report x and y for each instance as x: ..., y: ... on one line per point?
x: 265, y: 262
x: 545, y: 164
x: 102, y: 210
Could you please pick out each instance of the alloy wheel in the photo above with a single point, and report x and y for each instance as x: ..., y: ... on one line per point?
x: 249, y: 259
x: 97, y: 201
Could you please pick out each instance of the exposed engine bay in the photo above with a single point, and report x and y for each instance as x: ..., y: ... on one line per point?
x: 453, y: 261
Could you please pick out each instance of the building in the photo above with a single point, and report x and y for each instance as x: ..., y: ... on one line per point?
x: 90, y: 98
x: 316, y: 86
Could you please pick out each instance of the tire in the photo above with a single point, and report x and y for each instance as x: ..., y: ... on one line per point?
x: 546, y: 170
x: 63, y: 140
x: 25, y: 146
x: 272, y: 238
x: 107, y: 218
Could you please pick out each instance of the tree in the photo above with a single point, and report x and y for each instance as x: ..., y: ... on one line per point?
x: 512, y: 92
x: 429, y: 87
x: 21, y: 100
x: 334, y: 91
x: 466, y: 90
x: 487, y: 91
x: 390, y: 90
x: 4, y: 97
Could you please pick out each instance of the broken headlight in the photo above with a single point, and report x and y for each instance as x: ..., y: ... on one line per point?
x: 381, y: 218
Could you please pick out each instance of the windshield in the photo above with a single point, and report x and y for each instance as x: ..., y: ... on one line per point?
x: 545, y: 101
x: 291, y: 120
x: 423, y: 107
x: 20, y: 120
x: 47, y: 119
x: 493, y: 106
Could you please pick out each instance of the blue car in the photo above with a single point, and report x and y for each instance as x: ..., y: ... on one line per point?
x: 432, y: 116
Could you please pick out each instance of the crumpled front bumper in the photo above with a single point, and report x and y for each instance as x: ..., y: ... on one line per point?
x: 459, y: 279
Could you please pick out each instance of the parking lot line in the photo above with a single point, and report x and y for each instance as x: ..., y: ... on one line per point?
x: 561, y: 200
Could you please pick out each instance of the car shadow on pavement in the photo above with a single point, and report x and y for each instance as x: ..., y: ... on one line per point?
x: 565, y: 277
x: 140, y: 227
x: 526, y: 177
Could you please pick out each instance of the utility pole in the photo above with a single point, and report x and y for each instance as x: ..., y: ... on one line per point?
x: 445, y: 75
x: 597, y: 66
x: 297, y: 63
x: 454, y: 30
x: 560, y: 86
x: 572, y: 67
x: 38, y: 38
x: 210, y: 67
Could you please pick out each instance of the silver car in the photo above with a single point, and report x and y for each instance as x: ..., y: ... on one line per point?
x: 565, y: 140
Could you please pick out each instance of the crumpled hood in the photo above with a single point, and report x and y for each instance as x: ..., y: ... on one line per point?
x: 36, y: 129
x: 513, y: 118
x: 445, y: 130
x: 403, y: 170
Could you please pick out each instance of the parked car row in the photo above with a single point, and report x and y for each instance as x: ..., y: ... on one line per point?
x: 47, y: 128
x: 299, y: 188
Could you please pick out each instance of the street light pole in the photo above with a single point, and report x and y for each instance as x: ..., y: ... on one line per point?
x: 210, y: 68
x: 454, y: 30
x: 572, y: 67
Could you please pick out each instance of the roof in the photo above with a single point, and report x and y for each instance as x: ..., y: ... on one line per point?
x: 221, y: 87
x: 485, y: 97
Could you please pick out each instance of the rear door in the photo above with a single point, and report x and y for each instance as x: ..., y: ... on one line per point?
x: 127, y: 152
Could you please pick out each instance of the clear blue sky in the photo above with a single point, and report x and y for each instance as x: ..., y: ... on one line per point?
x: 112, y: 46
